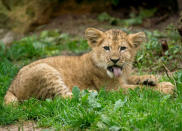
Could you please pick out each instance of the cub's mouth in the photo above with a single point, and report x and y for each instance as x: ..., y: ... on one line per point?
x: 115, y: 69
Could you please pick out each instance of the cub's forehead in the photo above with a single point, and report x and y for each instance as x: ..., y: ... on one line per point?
x: 115, y: 36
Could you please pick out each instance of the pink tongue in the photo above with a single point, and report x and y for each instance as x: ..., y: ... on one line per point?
x: 116, y: 71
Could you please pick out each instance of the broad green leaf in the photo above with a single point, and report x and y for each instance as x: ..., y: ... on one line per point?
x: 76, y: 92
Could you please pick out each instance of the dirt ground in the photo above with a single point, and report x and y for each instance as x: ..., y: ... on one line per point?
x: 25, y: 126
x: 75, y: 25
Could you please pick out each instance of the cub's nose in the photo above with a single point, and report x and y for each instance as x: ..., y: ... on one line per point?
x: 114, y: 60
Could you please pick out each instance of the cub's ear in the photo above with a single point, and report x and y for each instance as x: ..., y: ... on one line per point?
x: 94, y: 36
x: 136, y: 39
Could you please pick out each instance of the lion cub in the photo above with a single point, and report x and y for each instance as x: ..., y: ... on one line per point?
x: 108, y: 64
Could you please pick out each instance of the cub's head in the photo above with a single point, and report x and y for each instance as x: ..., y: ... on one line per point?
x: 113, y: 50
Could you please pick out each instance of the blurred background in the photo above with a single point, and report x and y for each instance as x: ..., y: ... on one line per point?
x: 32, y: 29
x: 73, y: 16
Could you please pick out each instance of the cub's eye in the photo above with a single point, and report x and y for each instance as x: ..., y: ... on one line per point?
x: 106, y: 47
x: 122, y: 48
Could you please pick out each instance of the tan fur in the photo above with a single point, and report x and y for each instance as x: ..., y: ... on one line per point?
x: 53, y: 76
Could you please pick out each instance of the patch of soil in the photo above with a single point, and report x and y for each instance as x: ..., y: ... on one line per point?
x: 75, y: 24
x: 25, y: 126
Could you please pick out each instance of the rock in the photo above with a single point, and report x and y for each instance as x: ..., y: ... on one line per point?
x: 8, y: 38
x: 23, y: 15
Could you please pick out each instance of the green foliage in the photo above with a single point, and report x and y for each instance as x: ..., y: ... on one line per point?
x: 133, y: 20
x: 114, y: 2
x: 139, y: 109
x: 152, y: 57
x: 48, y: 43
x: 76, y: 92
x: 104, y: 17
x: 147, y: 13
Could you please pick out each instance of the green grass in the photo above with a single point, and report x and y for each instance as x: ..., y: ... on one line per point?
x: 140, y: 109
x: 152, y: 58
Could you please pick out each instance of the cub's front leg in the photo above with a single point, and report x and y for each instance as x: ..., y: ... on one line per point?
x: 150, y: 80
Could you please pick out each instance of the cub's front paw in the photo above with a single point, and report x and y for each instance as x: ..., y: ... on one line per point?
x: 92, y: 91
x: 149, y: 80
x: 166, y: 87
x: 67, y: 95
